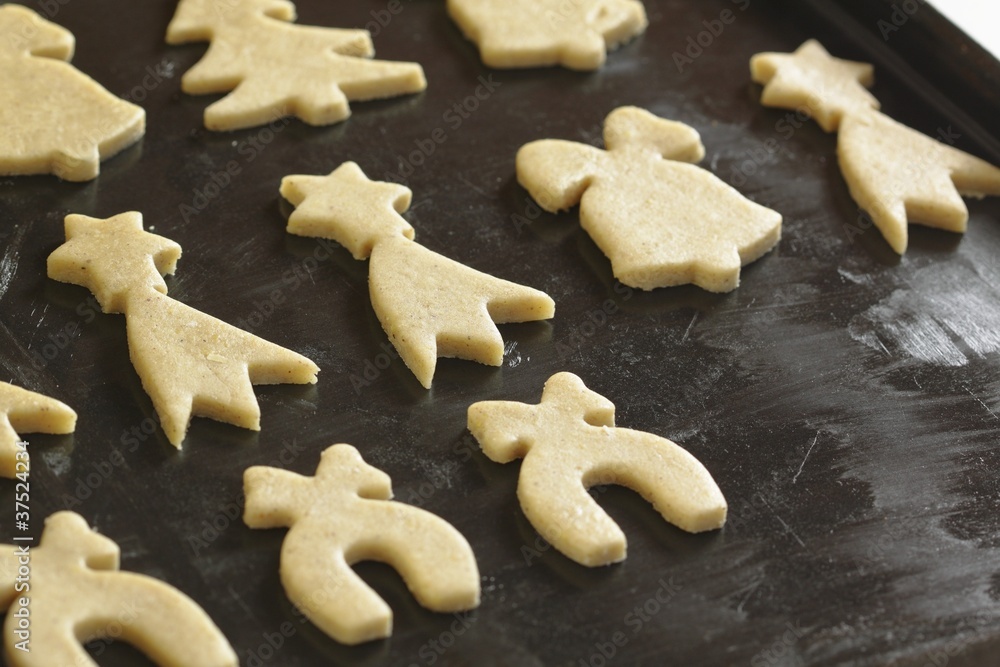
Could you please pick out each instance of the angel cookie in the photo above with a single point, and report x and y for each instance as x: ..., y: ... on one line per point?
x: 344, y: 515
x: 569, y: 443
x: 55, y: 119
x: 660, y: 220
x: 895, y: 173
x: 429, y: 306
x: 190, y: 363
x: 275, y: 68
x: 576, y: 34
x: 75, y: 594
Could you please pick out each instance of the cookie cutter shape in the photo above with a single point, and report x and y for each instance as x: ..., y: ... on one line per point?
x: 189, y: 363
x: 576, y: 34
x: 893, y: 172
x: 275, y: 68
x: 77, y: 594
x: 342, y: 516
x: 55, y: 118
x: 429, y: 306
x: 569, y: 443
x: 28, y: 412
x: 661, y: 221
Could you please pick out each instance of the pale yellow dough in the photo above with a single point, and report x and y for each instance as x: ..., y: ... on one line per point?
x: 77, y: 595
x: 28, y: 412
x: 533, y: 33
x: 55, y: 119
x: 569, y: 443
x: 896, y: 174
x: 661, y: 222
x: 429, y: 306
x: 276, y: 69
x: 190, y: 364
x: 342, y: 516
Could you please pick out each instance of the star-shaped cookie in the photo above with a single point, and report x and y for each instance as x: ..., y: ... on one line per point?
x: 813, y: 81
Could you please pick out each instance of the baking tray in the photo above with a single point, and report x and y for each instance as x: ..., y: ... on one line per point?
x: 845, y: 399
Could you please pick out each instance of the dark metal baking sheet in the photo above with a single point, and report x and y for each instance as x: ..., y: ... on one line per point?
x: 845, y: 399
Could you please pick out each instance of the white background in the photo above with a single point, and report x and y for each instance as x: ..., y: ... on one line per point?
x: 980, y: 19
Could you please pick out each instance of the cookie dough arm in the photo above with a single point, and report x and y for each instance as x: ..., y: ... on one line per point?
x: 556, y: 173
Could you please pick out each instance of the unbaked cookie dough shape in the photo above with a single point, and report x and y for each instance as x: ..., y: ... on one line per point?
x: 77, y: 594
x: 55, y: 119
x: 569, y: 443
x: 345, y: 515
x: 428, y: 305
x: 28, y: 412
x: 189, y: 363
x: 576, y: 34
x: 276, y: 69
x: 661, y: 222
x: 895, y: 173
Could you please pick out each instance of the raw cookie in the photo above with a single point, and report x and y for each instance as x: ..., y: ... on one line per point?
x: 276, y: 69
x: 532, y: 33
x: 55, y: 118
x: 77, y: 595
x: 661, y: 222
x: 342, y: 516
x: 189, y: 363
x: 429, y: 306
x: 569, y: 443
x: 893, y: 172
x: 28, y: 412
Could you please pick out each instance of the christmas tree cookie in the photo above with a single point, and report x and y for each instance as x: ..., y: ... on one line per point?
x: 533, y: 33
x: 342, y: 516
x: 55, y: 119
x: 77, y: 594
x: 569, y: 443
x: 429, y: 306
x: 895, y: 173
x: 275, y: 68
x: 189, y: 363
x: 27, y: 412
x: 660, y: 220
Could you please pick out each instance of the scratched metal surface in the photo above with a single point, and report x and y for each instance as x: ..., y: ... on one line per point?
x: 846, y: 400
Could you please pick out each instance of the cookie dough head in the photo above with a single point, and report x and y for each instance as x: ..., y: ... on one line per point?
x: 342, y: 516
x: 634, y: 128
x: 812, y: 81
x: 534, y: 33
x: 26, y: 33
x: 113, y: 257
x: 27, y: 412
